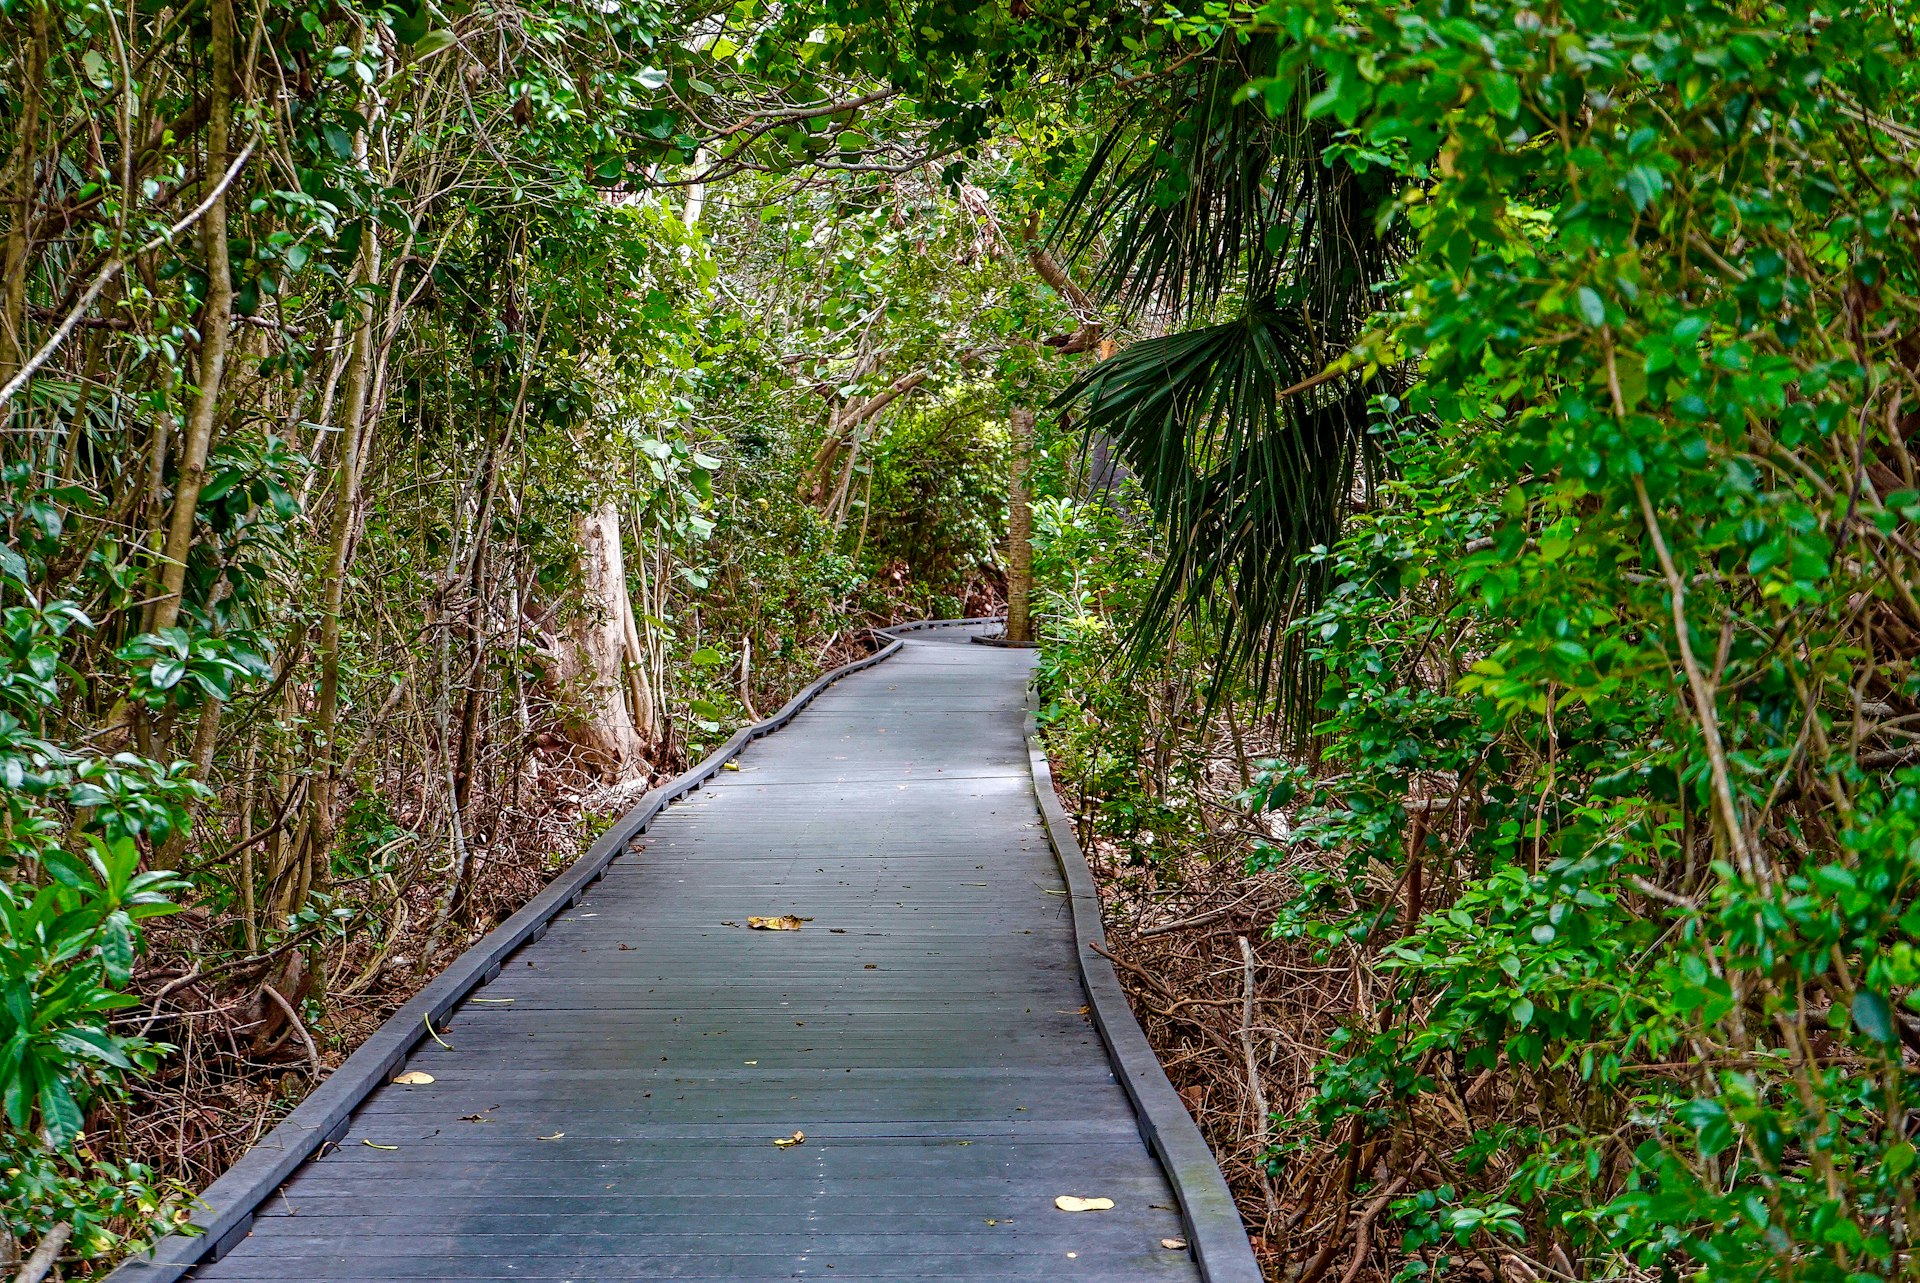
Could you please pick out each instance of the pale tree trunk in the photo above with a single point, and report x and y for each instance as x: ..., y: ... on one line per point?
x: 1019, y: 526
x: 601, y: 657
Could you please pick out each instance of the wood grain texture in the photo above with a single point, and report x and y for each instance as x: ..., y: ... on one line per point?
x: 607, y: 1104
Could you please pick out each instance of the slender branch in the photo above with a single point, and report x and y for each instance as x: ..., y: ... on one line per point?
x: 299, y: 1027
x: 112, y: 269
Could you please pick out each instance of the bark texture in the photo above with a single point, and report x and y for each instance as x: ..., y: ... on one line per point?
x: 1019, y: 526
x: 600, y: 657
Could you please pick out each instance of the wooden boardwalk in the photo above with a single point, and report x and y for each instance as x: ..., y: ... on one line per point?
x: 606, y: 1108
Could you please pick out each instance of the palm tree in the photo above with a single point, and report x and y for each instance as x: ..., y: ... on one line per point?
x: 1201, y: 209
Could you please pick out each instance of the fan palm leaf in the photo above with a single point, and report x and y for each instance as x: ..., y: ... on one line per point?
x: 1242, y: 479
x: 1193, y: 205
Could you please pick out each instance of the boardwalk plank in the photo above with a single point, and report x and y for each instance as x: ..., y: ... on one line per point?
x: 926, y: 1030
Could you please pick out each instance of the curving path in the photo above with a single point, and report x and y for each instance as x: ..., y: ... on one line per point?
x: 607, y: 1106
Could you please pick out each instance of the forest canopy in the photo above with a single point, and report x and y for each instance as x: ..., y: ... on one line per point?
x: 1464, y: 499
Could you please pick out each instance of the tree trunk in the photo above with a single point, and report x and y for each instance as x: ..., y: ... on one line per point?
x: 1019, y: 526
x: 23, y: 173
x: 215, y: 326
x: 600, y: 656
x: 356, y: 436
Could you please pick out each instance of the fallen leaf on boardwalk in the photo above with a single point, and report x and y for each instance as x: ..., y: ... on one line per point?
x: 558, y: 1135
x: 784, y: 922
x: 475, y: 1118
x: 370, y: 1145
x: 493, y: 1000
x: 1174, y: 1244
x: 839, y: 931
x: 788, y: 1142
x: 414, y: 1078
x: 1070, y: 1203
x: 729, y: 924
x: 730, y: 766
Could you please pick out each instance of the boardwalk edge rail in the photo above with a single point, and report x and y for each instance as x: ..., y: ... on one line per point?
x: 1215, y: 1232
x: 226, y: 1209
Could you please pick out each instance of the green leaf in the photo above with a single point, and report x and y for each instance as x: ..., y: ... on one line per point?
x: 433, y: 42
x: 1873, y: 1016
x: 1591, y: 306
x: 59, y: 1112
x: 708, y: 657
x: 339, y: 141
x: 116, y: 948
x: 1503, y: 94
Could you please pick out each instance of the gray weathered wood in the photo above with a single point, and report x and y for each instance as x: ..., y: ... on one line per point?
x: 607, y: 1104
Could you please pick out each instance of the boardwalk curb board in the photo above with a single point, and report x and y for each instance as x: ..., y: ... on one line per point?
x: 1126, y: 1104
x: 1214, y: 1229
x: 227, y: 1207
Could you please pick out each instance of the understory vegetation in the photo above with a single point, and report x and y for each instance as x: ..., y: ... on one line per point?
x: 1475, y: 553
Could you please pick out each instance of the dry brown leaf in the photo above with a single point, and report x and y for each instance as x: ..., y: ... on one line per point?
x: 414, y: 1078
x: 1174, y: 1244
x: 783, y: 922
x: 1073, y: 1203
x: 788, y: 1142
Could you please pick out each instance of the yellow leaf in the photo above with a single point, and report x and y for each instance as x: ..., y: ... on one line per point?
x: 555, y: 1136
x: 414, y: 1078
x: 370, y: 1145
x: 1071, y: 1203
x: 730, y: 766
x: 788, y: 1142
x: 784, y: 922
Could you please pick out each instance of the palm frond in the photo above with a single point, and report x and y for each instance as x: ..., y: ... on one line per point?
x: 1194, y: 203
x: 1243, y: 481
x: 1192, y: 198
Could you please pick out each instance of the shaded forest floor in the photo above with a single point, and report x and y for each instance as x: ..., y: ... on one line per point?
x: 1239, y: 1021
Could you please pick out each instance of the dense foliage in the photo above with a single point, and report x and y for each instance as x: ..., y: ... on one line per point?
x: 422, y: 429
x: 1478, y: 552
x: 1633, y: 635
x: 1611, y: 794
